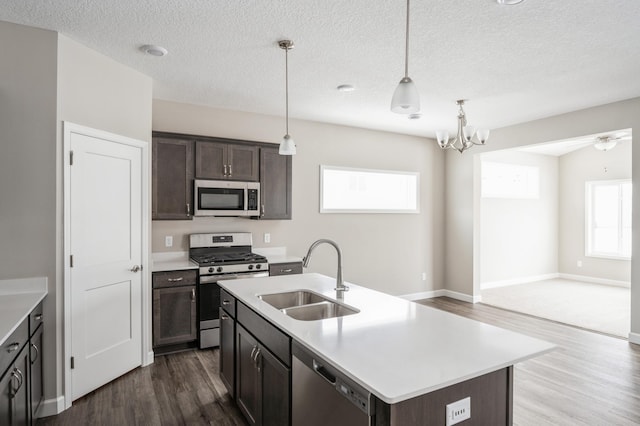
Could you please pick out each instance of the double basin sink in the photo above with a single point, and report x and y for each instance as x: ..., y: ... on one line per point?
x: 305, y: 305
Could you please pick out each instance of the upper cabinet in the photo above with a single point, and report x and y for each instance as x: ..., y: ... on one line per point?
x: 172, y: 178
x: 218, y: 160
x: 275, y: 184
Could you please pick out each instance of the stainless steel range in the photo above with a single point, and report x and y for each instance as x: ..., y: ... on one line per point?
x: 221, y: 256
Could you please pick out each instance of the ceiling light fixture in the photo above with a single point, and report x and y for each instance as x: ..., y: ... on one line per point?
x: 605, y: 143
x: 346, y: 88
x: 287, y: 145
x: 509, y: 2
x: 406, y: 99
x: 154, y: 50
x: 464, y: 137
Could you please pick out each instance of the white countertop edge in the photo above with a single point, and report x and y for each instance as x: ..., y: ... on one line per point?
x: 172, y: 261
x: 23, y: 285
x: 281, y: 322
x: 25, y: 310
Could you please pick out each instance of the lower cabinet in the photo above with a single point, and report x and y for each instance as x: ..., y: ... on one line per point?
x: 227, y: 351
x: 14, y: 400
x: 36, y: 393
x: 263, y: 382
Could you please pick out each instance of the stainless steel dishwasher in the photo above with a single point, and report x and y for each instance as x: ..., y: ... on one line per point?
x: 322, y: 396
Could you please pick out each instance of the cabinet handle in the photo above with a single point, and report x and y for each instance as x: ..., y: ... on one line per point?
x: 193, y: 294
x: 285, y: 271
x: 175, y: 280
x: 226, y: 302
x: 253, y: 351
x: 262, y: 214
x: 225, y: 170
x: 38, y: 317
x: 224, y: 317
x: 259, y: 359
x: 230, y: 172
x: 13, y: 347
x: 17, y: 374
x: 37, y: 354
x: 188, y: 210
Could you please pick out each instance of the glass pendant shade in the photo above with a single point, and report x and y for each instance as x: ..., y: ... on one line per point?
x: 483, y: 135
x: 443, y: 138
x: 287, y: 146
x: 406, y: 99
x: 468, y: 131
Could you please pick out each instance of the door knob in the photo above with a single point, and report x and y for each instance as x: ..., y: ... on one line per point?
x: 136, y: 268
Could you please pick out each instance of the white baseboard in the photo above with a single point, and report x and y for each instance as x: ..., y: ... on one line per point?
x: 51, y: 407
x: 595, y: 280
x: 442, y: 293
x: 634, y: 338
x: 519, y: 280
x: 148, y: 359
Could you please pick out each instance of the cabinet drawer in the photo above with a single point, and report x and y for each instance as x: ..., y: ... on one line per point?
x: 285, y: 268
x: 11, y: 347
x: 270, y: 336
x: 35, y: 319
x: 174, y: 278
x: 228, y: 302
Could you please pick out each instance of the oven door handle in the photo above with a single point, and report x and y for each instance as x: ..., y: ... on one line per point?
x: 206, y: 279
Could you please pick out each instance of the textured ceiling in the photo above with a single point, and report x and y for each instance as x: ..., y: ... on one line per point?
x: 513, y: 63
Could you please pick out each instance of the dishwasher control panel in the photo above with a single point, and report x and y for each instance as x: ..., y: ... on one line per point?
x: 358, y: 399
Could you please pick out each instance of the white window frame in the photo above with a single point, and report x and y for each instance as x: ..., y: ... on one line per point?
x: 415, y: 175
x: 589, y: 220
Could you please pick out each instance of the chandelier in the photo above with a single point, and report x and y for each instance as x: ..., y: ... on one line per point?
x: 465, y: 137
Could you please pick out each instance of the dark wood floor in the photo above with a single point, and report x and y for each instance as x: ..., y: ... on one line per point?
x: 590, y: 379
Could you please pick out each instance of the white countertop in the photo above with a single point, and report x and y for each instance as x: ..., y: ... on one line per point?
x: 17, y: 299
x: 172, y: 261
x: 394, y: 348
x: 276, y: 254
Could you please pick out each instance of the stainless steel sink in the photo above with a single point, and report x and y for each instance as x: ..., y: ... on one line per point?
x: 318, y: 311
x: 292, y: 298
x: 306, y: 305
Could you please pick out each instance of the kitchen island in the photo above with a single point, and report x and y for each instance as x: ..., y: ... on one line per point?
x: 412, y: 359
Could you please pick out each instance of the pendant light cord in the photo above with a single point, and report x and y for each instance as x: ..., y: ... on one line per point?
x: 286, y: 90
x: 406, y: 49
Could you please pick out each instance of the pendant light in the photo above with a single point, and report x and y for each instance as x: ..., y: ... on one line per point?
x: 287, y: 145
x: 406, y: 99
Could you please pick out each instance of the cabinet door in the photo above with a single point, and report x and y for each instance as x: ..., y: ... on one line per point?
x: 276, y: 391
x: 211, y: 160
x: 243, y: 162
x: 248, y: 389
x: 35, y: 371
x: 227, y: 351
x: 172, y: 178
x: 14, y: 388
x: 275, y: 184
x: 174, y: 315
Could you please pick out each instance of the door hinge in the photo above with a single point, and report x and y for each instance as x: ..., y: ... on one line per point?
x: 71, y: 158
x: 71, y: 261
x: 73, y: 363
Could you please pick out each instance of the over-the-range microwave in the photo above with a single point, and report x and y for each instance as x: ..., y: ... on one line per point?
x: 226, y: 198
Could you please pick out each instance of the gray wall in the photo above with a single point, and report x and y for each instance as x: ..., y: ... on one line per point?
x: 387, y: 252
x: 28, y: 167
x: 576, y: 168
x: 519, y: 237
x: 461, y: 273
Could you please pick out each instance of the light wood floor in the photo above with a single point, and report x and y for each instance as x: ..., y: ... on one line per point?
x: 590, y: 379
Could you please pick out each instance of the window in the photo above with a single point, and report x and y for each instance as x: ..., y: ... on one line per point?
x: 608, y: 221
x: 502, y: 180
x: 348, y: 190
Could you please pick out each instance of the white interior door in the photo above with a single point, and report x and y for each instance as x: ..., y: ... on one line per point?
x: 105, y: 242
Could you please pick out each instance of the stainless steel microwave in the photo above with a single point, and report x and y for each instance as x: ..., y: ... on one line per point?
x: 226, y: 198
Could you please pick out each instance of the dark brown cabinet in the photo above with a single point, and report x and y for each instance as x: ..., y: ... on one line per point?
x: 174, y: 310
x: 14, y: 400
x: 287, y: 268
x: 227, y: 342
x: 275, y: 184
x: 263, y: 382
x: 220, y: 160
x: 172, y: 178
x: 36, y: 372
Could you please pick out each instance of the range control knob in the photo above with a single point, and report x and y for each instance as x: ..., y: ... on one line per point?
x: 210, y: 270
x: 258, y: 266
x: 219, y: 269
x: 251, y: 267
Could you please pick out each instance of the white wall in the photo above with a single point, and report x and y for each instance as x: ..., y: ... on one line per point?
x: 461, y: 273
x: 576, y: 168
x: 387, y: 252
x: 519, y: 237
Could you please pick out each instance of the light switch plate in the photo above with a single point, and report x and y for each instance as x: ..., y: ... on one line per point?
x: 458, y: 411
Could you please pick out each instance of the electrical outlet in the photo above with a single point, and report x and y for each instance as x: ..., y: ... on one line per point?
x: 579, y: 263
x: 458, y: 411
x: 267, y: 237
x: 424, y: 276
x: 168, y: 241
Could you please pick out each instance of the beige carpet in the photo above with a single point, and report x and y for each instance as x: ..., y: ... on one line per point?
x: 592, y: 306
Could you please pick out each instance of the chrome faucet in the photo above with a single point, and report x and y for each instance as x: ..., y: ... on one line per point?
x: 340, y: 287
